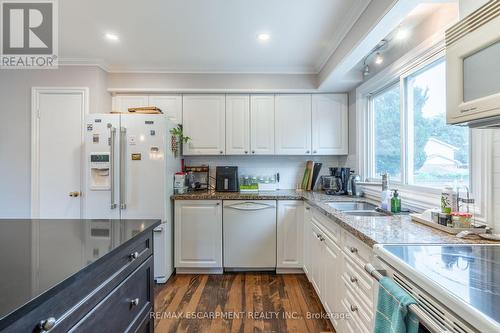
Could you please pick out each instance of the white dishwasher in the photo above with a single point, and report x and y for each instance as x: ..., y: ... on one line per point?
x: 249, y: 229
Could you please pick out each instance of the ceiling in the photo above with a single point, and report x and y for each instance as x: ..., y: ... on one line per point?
x: 202, y: 36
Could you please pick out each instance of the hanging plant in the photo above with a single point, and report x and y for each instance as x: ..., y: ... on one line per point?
x: 178, y: 139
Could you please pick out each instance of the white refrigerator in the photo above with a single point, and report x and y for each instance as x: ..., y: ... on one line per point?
x: 129, y: 175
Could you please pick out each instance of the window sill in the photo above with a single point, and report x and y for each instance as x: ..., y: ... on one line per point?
x: 414, y: 199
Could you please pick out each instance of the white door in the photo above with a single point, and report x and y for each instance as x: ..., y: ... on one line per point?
x: 237, y: 124
x: 331, y: 279
x: 262, y: 124
x: 316, y: 250
x: 290, y: 233
x: 293, y: 124
x: 121, y: 103
x: 102, y: 133
x: 57, y: 142
x: 198, y: 233
x: 142, y: 167
x: 204, y: 122
x: 307, y: 240
x: 329, y: 124
x: 170, y: 105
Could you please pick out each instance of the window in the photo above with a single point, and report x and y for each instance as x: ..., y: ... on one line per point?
x: 414, y: 144
x: 387, y: 132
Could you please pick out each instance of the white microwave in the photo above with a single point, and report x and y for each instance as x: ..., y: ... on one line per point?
x: 473, y: 69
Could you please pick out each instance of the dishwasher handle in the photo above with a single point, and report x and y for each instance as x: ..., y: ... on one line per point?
x: 250, y: 206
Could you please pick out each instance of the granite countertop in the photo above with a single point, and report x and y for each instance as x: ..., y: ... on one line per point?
x: 397, y: 229
x: 37, y: 254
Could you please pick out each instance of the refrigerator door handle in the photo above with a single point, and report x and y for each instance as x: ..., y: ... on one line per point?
x: 123, y: 142
x: 112, y: 163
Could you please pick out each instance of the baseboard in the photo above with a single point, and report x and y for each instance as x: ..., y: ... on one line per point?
x: 198, y: 270
x: 289, y: 271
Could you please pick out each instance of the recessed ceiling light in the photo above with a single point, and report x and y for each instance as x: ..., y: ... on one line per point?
x: 379, y: 59
x: 263, y: 37
x: 402, y: 34
x: 112, y: 37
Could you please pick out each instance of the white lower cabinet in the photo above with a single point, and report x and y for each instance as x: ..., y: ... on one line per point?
x: 290, y: 234
x: 198, y: 234
x: 307, y: 239
x: 334, y: 263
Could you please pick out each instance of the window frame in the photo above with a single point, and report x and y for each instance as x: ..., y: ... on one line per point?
x: 417, y: 197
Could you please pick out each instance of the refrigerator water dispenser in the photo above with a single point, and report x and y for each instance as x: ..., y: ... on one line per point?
x: 100, y: 176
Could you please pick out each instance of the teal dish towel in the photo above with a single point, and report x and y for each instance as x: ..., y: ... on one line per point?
x: 393, y: 315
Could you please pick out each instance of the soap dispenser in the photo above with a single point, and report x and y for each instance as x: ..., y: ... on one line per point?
x: 395, y: 202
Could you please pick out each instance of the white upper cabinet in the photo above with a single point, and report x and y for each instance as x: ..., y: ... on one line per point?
x: 204, y: 122
x: 262, y: 124
x: 122, y: 103
x: 293, y: 124
x: 237, y: 124
x: 329, y: 124
x: 171, y: 105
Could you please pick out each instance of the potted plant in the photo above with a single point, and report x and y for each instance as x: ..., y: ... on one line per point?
x: 178, y: 139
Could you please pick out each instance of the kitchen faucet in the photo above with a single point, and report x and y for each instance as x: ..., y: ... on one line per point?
x: 384, y: 183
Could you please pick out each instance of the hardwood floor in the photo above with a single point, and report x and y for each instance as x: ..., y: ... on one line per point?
x: 238, y: 302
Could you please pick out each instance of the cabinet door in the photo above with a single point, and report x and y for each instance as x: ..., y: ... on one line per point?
x: 316, y: 249
x: 237, y: 124
x: 331, y: 278
x: 262, y: 124
x: 121, y: 103
x: 329, y: 124
x: 290, y: 234
x: 293, y: 124
x: 307, y: 240
x: 204, y: 122
x: 171, y: 105
x: 198, y: 233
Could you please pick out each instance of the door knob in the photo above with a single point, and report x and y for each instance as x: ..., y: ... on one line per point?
x: 74, y: 194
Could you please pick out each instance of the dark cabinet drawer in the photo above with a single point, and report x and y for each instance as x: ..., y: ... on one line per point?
x: 123, y: 309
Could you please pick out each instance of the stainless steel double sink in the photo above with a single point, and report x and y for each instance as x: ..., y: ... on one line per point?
x: 356, y: 208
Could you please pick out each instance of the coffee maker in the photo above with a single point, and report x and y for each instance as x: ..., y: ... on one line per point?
x: 340, y: 180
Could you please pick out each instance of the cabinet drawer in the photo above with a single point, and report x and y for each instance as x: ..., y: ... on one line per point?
x: 361, y: 282
x: 356, y: 250
x: 327, y: 225
x: 123, y: 309
x: 70, y: 301
x: 357, y: 310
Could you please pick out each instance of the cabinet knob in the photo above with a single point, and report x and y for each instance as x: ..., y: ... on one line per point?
x: 354, y: 279
x: 246, y: 151
x: 47, y: 324
x: 74, y: 194
x: 253, y: 151
x: 314, y: 151
x: 134, y: 302
x: 353, y: 250
x: 308, y: 208
x: 308, y: 151
x: 354, y: 308
x: 134, y: 255
x: 221, y: 152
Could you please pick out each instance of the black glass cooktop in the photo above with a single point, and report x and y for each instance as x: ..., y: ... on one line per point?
x: 470, y: 272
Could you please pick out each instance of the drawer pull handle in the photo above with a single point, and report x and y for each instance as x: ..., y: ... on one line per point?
x: 354, y: 308
x: 47, y: 324
x: 134, y: 255
x: 354, y: 279
x: 134, y: 302
x: 353, y: 250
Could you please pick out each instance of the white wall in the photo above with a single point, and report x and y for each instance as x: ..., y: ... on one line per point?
x: 211, y: 81
x: 15, y: 125
x: 290, y: 168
